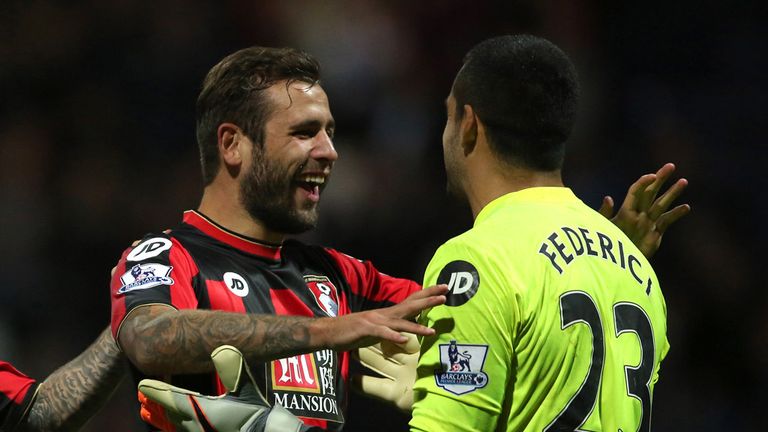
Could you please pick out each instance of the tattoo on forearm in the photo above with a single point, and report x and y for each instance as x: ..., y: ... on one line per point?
x: 74, y: 392
x: 164, y: 341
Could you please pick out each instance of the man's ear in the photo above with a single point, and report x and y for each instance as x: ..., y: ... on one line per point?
x: 230, y: 140
x: 468, y: 130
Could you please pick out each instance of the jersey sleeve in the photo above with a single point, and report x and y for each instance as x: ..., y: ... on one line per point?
x: 370, y: 289
x: 465, y: 368
x: 158, y: 270
x: 17, y: 391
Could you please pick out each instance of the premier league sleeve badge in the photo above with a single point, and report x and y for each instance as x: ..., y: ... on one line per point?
x: 143, y: 276
x: 462, y: 367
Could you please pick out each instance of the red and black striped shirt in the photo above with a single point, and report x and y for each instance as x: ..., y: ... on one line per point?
x: 16, y: 394
x: 201, y: 265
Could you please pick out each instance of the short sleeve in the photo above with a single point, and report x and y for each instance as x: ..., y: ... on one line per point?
x: 464, y: 370
x: 158, y: 270
x: 17, y: 391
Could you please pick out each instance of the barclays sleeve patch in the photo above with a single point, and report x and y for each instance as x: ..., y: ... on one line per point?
x: 143, y: 276
x: 462, y: 367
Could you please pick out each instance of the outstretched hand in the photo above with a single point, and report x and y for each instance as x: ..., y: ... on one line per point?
x: 643, y: 217
x: 361, y: 329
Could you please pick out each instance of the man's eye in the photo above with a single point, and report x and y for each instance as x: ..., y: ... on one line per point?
x: 304, y: 134
x: 330, y: 133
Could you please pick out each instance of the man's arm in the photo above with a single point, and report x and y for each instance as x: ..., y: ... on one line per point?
x: 75, y: 391
x: 466, y: 392
x: 161, y: 340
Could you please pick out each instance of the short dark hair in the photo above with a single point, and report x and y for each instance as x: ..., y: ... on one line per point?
x: 233, y: 92
x: 525, y: 91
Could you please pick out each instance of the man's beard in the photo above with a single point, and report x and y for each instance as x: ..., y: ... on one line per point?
x: 456, y: 192
x: 267, y: 193
x: 453, y: 175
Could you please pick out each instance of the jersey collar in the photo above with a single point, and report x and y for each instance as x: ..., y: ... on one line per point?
x: 243, y: 243
x: 528, y: 195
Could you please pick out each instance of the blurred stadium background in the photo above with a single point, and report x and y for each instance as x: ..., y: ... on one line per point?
x: 97, y: 147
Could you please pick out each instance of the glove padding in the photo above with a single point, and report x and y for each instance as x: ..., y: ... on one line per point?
x: 397, y: 364
x: 243, y: 408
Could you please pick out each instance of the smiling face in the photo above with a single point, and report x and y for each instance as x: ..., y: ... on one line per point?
x: 287, y: 173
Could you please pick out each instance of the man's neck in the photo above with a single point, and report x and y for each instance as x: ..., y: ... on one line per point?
x: 219, y: 205
x: 491, y: 184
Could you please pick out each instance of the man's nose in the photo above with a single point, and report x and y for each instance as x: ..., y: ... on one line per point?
x: 324, y: 149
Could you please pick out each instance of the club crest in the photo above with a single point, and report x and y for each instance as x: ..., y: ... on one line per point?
x: 143, y: 276
x: 462, y: 367
x: 325, y: 293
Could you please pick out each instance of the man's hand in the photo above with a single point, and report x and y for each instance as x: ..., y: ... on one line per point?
x: 397, y: 365
x: 643, y: 217
x: 242, y: 408
x: 360, y: 329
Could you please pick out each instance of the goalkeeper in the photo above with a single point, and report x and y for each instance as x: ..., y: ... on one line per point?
x: 557, y: 320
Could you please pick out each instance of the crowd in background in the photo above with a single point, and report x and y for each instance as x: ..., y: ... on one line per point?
x: 97, y: 147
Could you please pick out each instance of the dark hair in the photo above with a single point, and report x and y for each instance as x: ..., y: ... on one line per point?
x: 233, y: 92
x: 525, y: 91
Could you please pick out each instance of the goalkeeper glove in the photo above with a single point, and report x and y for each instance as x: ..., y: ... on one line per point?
x: 397, y: 365
x: 243, y: 408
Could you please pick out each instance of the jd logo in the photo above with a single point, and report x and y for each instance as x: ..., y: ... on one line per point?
x: 236, y: 284
x: 149, y: 249
x: 463, y: 282
x: 460, y: 282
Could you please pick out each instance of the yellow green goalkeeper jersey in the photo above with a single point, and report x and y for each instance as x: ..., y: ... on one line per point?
x: 554, y: 322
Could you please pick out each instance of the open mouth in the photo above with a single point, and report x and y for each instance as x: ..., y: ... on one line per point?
x: 311, y: 183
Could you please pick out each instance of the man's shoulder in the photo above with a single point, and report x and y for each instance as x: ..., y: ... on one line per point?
x: 479, y: 241
x: 463, y: 253
x: 181, y: 238
x: 179, y: 231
